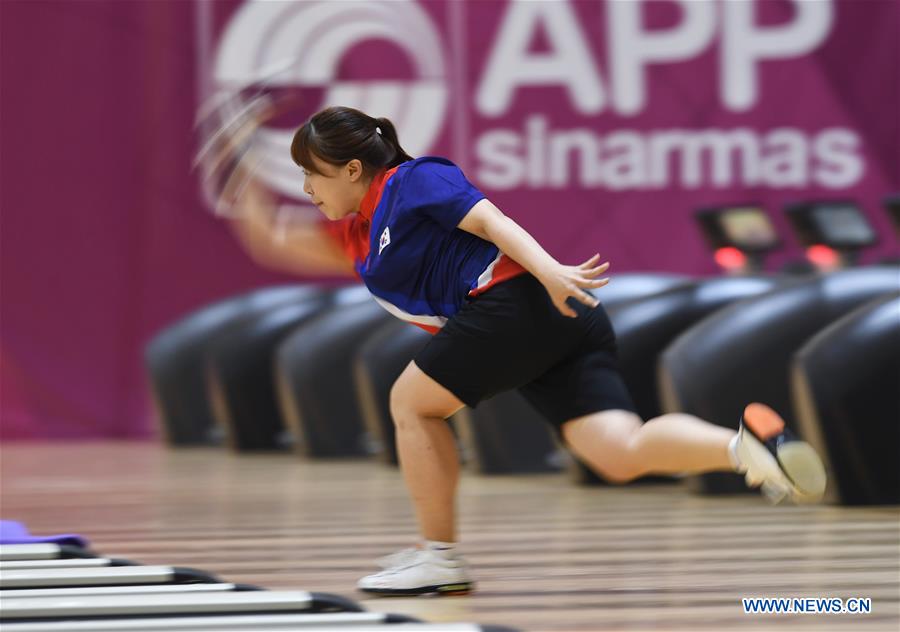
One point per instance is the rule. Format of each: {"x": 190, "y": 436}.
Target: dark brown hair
{"x": 337, "y": 135}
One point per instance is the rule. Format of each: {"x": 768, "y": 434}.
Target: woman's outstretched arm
{"x": 488, "y": 222}
{"x": 304, "y": 249}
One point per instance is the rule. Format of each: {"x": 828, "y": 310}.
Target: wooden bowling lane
{"x": 547, "y": 555}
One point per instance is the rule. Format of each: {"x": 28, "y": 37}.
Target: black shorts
{"x": 513, "y": 337}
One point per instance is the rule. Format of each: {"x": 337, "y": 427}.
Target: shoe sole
{"x": 804, "y": 468}
{"x": 447, "y": 590}
{"x": 801, "y": 469}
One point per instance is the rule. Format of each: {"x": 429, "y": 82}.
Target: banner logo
{"x": 302, "y": 44}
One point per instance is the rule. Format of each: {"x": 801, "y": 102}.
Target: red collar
{"x": 373, "y": 195}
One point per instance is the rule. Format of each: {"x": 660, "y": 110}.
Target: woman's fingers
{"x": 575, "y": 283}
{"x": 578, "y": 295}
{"x": 598, "y": 270}
{"x": 586, "y": 298}
{"x": 591, "y": 283}
{"x": 590, "y": 262}
{"x": 565, "y": 310}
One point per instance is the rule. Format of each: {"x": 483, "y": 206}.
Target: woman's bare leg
{"x": 427, "y": 450}
{"x": 619, "y": 447}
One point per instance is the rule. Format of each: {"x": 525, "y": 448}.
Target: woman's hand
{"x": 228, "y": 158}
{"x": 563, "y": 281}
{"x": 229, "y": 165}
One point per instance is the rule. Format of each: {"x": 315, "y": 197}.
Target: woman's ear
{"x": 354, "y": 170}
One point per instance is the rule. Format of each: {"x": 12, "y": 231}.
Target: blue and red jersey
{"x": 407, "y": 249}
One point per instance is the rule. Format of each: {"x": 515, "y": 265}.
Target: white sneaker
{"x": 419, "y": 572}
{"x": 772, "y": 458}
{"x": 400, "y": 558}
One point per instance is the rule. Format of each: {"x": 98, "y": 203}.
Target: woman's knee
{"x": 605, "y": 442}
{"x": 623, "y": 469}
{"x": 622, "y": 472}
{"x": 416, "y": 397}
{"x": 403, "y": 405}
{"x": 620, "y": 467}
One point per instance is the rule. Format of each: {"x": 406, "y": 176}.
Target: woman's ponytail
{"x": 385, "y": 128}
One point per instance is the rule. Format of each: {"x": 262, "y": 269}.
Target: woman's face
{"x": 336, "y": 191}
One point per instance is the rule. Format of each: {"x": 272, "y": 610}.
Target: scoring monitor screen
{"x": 841, "y": 225}
{"x": 746, "y": 228}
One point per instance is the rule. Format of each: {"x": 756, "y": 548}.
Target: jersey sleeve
{"x": 440, "y": 191}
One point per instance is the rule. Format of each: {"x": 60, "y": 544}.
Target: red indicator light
{"x": 823, "y": 256}
{"x": 730, "y": 258}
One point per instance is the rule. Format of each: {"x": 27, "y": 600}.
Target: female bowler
{"x": 434, "y": 251}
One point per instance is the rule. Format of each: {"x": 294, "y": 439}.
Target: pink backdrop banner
{"x": 598, "y": 126}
